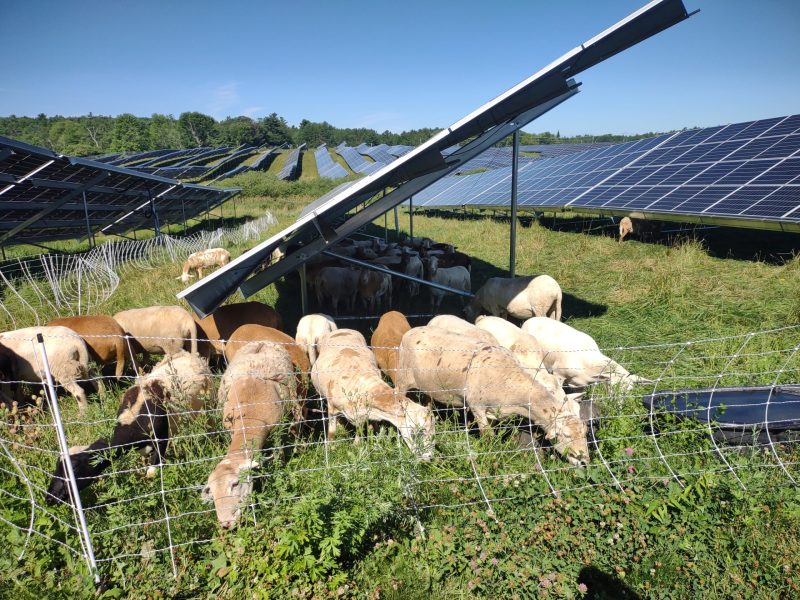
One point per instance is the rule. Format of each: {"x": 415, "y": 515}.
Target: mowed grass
{"x": 368, "y": 520}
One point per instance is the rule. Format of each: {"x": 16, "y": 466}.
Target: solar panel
{"x": 550, "y": 150}
{"x": 326, "y": 166}
{"x": 354, "y": 159}
{"x": 745, "y": 173}
{"x": 291, "y": 168}
{"x": 400, "y": 150}
{"x": 45, "y": 196}
{"x": 379, "y": 154}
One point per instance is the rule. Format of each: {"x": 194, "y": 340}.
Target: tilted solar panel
{"x": 326, "y": 166}
{"x": 356, "y": 161}
{"x": 291, "y": 168}
{"x": 379, "y": 154}
{"x": 45, "y": 196}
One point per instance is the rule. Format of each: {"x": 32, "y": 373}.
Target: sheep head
{"x": 226, "y": 489}
{"x": 568, "y": 436}
{"x": 418, "y": 429}
{"x": 87, "y": 463}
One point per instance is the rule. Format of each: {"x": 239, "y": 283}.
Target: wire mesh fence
{"x": 252, "y": 432}
{"x": 36, "y": 289}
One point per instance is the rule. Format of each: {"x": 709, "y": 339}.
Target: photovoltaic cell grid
{"x": 42, "y": 196}
{"x": 748, "y": 171}
{"x": 380, "y": 154}
{"x": 291, "y": 168}
{"x": 550, "y": 150}
{"x": 356, "y": 161}
{"x": 400, "y": 150}
{"x": 326, "y": 166}
{"x": 493, "y": 158}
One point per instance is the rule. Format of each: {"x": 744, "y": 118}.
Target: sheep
{"x": 142, "y": 424}
{"x": 410, "y": 264}
{"x": 385, "y": 341}
{"x": 337, "y": 283}
{"x": 158, "y": 329}
{"x": 8, "y": 375}
{"x": 449, "y": 257}
{"x": 464, "y": 372}
{"x": 575, "y": 356}
{"x": 374, "y": 289}
{"x": 454, "y": 277}
{"x": 203, "y": 259}
{"x": 309, "y": 330}
{"x": 104, "y": 338}
{"x": 217, "y": 327}
{"x": 253, "y": 392}
{"x": 347, "y": 375}
{"x": 67, "y": 355}
{"x": 461, "y": 327}
{"x": 258, "y": 333}
{"x": 520, "y": 297}
{"x": 641, "y": 228}
{"x": 528, "y": 352}
{"x": 187, "y": 378}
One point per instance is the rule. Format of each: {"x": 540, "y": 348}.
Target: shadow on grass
{"x": 602, "y": 585}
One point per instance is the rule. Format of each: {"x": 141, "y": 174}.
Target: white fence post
{"x": 83, "y": 530}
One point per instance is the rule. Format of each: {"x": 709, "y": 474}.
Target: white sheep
{"x": 520, "y": 297}
{"x": 204, "y": 259}
{"x": 454, "y": 277}
{"x": 310, "y": 330}
{"x": 347, "y": 375}
{"x": 458, "y": 325}
{"x": 188, "y": 379}
{"x": 67, "y": 355}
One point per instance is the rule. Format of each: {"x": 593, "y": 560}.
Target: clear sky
{"x": 394, "y": 64}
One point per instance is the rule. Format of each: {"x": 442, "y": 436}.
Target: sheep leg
{"x": 77, "y": 391}
{"x": 482, "y": 420}
{"x": 331, "y": 426}
{"x": 156, "y": 457}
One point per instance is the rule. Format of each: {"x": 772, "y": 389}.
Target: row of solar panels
{"x": 46, "y": 196}
{"x": 745, "y": 173}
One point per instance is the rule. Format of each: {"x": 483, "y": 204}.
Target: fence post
{"x": 83, "y": 530}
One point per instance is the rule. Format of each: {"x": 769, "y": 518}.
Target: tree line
{"x": 96, "y": 135}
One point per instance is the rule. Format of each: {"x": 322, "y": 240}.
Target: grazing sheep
{"x": 217, "y": 327}
{"x": 410, "y": 264}
{"x": 258, "y": 333}
{"x": 309, "y": 331}
{"x": 520, "y": 297}
{"x": 335, "y": 284}
{"x": 203, "y": 259}
{"x": 347, "y": 375}
{"x": 461, "y": 371}
{"x": 385, "y": 341}
{"x": 67, "y": 356}
{"x": 462, "y": 327}
{"x": 641, "y": 228}
{"x": 103, "y": 337}
{"x": 158, "y": 329}
{"x": 375, "y": 289}
{"x": 254, "y": 391}
{"x": 189, "y": 381}
{"x": 142, "y": 425}
{"x": 454, "y": 277}
{"x": 575, "y": 356}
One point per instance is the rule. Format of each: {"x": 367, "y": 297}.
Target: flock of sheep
{"x": 491, "y": 367}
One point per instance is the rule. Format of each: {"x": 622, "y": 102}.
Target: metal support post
{"x": 411, "y": 217}
{"x": 89, "y": 232}
{"x": 183, "y": 211}
{"x": 512, "y": 255}
{"x": 83, "y": 530}
{"x": 385, "y": 228}
{"x": 396, "y": 225}
{"x": 303, "y": 290}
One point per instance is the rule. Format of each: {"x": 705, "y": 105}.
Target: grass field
{"x": 368, "y": 520}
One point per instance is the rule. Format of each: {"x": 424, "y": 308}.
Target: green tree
{"x": 130, "y": 134}
{"x": 274, "y": 130}
{"x": 196, "y": 129}
{"x": 163, "y": 132}
{"x": 235, "y": 131}
{"x": 68, "y": 137}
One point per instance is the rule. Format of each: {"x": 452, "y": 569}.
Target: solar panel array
{"x": 326, "y": 166}
{"x": 380, "y": 154}
{"x": 493, "y": 158}
{"x": 744, "y": 172}
{"x": 291, "y": 168}
{"x": 550, "y": 150}
{"x": 46, "y": 196}
{"x": 400, "y": 150}
{"x": 356, "y": 161}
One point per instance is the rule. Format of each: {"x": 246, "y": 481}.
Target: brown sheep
{"x": 103, "y": 336}
{"x": 386, "y": 341}
{"x": 219, "y": 326}
{"x": 158, "y": 329}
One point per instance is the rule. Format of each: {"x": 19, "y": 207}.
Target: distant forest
{"x": 92, "y": 135}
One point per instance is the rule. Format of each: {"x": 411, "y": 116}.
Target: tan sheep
{"x": 254, "y": 392}
{"x": 159, "y": 329}
{"x": 347, "y": 375}
{"x": 204, "y": 259}
{"x": 67, "y": 355}
{"x": 219, "y": 326}
{"x": 520, "y": 297}
{"x": 464, "y": 372}
{"x": 309, "y": 331}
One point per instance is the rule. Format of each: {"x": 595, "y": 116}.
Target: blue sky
{"x": 394, "y": 65}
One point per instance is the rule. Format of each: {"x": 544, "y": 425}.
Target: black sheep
{"x": 142, "y": 424}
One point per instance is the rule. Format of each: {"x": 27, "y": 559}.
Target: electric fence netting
{"x": 250, "y": 434}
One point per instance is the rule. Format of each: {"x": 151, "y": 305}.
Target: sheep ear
{"x": 248, "y": 464}
{"x": 574, "y": 396}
